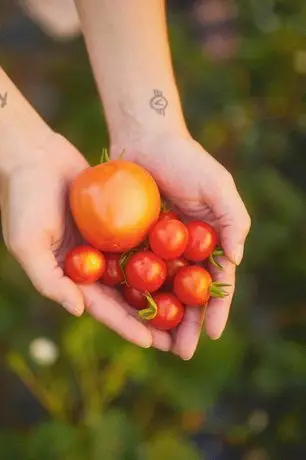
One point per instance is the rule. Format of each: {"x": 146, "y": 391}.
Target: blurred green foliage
{"x": 104, "y": 398}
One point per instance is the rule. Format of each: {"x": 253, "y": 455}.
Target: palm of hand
{"x": 39, "y": 231}
{"x": 201, "y": 189}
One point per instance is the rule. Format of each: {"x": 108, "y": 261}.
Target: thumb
{"x": 233, "y": 219}
{"x": 48, "y": 278}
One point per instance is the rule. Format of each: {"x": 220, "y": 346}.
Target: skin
{"x": 130, "y": 57}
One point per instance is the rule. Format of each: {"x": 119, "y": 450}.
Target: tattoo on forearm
{"x": 3, "y": 100}
{"x": 158, "y": 102}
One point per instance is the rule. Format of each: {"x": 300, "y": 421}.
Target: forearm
{"x": 20, "y": 127}
{"x": 128, "y": 47}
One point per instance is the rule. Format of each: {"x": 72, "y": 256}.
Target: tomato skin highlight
{"x": 145, "y": 271}
{"x": 113, "y": 274}
{"x": 134, "y": 297}
{"x": 168, "y": 238}
{"x": 202, "y": 240}
{"x": 174, "y": 266}
{"x": 192, "y": 285}
{"x": 170, "y": 311}
{"x": 114, "y": 205}
{"x": 84, "y": 264}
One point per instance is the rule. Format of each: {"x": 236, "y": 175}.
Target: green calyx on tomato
{"x": 105, "y": 155}
{"x": 216, "y": 290}
{"x": 123, "y": 261}
{"x": 165, "y": 206}
{"x": 151, "y": 311}
{"x": 218, "y": 252}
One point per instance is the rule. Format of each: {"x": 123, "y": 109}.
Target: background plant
{"x": 242, "y": 397}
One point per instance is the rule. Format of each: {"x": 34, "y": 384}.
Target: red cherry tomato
{"x": 173, "y": 266}
{"x": 145, "y": 271}
{"x": 202, "y": 240}
{"x": 168, "y": 215}
{"x": 84, "y": 264}
{"x": 168, "y": 238}
{"x": 134, "y": 297}
{"x": 192, "y": 285}
{"x": 113, "y": 274}
{"x": 170, "y": 311}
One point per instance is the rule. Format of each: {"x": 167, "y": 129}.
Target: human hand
{"x": 202, "y": 189}
{"x": 38, "y": 230}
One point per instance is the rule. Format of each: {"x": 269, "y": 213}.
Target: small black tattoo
{"x": 3, "y": 100}
{"x": 158, "y": 102}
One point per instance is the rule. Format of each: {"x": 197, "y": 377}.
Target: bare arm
{"x": 19, "y": 126}
{"x": 129, "y": 52}
{"x": 128, "y": 47}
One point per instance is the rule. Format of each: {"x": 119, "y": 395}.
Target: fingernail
{"x": 146, "y": 344}
{"x": 238, "y": 254}
{"x": 76, "y": 310}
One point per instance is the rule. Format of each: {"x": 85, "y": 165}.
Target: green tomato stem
{"x": 104, "y": 156}
{"x": 216, "y": 290}
{"x": 218, "y": 252}
{"x": 151, "y": 311}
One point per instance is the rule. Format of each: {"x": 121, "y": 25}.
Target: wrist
{"x": 22, "y": 130}
{"x": 146, "y": 142}
{"x": 135, "y": 128}
{"x": 23, "y": 148}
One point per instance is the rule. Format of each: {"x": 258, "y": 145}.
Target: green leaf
{"x": 112, "y": 437}
{"x": 55, "y": 441}
{"x": 171, "y": 447}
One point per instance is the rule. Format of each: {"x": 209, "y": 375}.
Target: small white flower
{"x": 43, "y": 351}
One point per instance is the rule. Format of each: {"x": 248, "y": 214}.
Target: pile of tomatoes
{"x": 149, "y": 254}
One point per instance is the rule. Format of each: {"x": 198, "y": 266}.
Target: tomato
{"x": 134, "y": 297}
{"x": 173, "y": 266}
{"x": 168, "y": 238}
{"x": 168, "y": 215}
{"x": 113, "y": 274}
{"x": 202, "y": 240}
{"x": 84, "y": 264}
{"x": 168, "y": 311}
{"x": 145, "y": 271}
{"x": 192, "y": 285}
{"x": 114, "y": 205}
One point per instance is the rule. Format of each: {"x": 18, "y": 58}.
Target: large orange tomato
{"x": 114, "y": 205}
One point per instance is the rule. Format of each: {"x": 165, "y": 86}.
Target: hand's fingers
{"x": 47, "y": 277}
{"x": 161, "y": 340}
{"x": 218, "y": 309}
{"x": 188, "y": 333}
{"x": 105, "y": 306}
{"x": 232, "y": 216}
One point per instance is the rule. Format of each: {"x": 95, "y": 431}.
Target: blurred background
{"x": 72, "y": 390}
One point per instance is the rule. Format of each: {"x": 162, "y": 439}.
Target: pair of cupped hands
{"x": 38, "y": 228}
